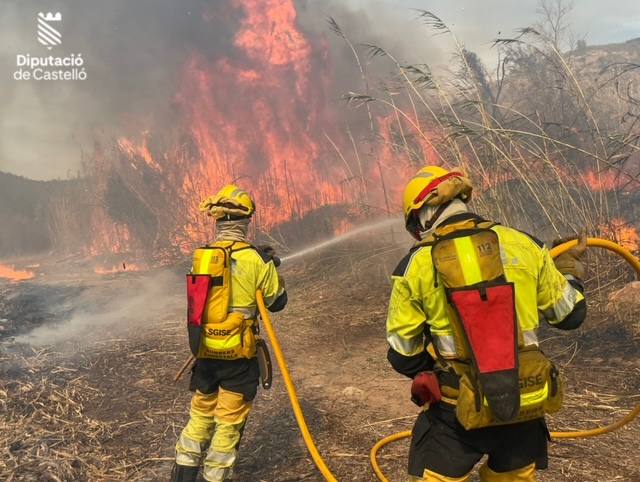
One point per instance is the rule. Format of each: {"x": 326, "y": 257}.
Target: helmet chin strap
{"x": 419, "y": 225}
{"x": 434, "y": 217}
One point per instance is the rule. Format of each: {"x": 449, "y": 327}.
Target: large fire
{"x": 262, "y": 116}
{"x": 258, "y": 118}
{"x": 13, "y": 274}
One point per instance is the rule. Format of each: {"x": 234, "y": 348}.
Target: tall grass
{"x": 551, "y": 147}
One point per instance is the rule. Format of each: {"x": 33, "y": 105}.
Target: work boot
{"x": 182, "y": 473}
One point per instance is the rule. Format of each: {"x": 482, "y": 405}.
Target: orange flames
{"x": 269, "y": 33}
{"x": 14, "y": 275}
{"x": 612, "y": 180}
{"x": 141, "y": 151}
{"x": 603, "y": 181}
{"x": 622, "y": 233}
{"x": 257, "y": 118}
{"x": 254, "y": 118}
{"x": 113, "y": 238}
{"x": 262, "y": 117}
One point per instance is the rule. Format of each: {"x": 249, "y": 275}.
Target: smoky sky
{"x": 134, "y": 51}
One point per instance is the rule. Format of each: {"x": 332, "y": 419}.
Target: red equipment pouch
{"x": 487, "y": 313}
{"x": 425, "y": 389}
{"x": 198, "y": 286}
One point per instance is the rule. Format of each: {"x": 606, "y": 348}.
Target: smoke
{"x": 135, "y": 55}
{"x": 111, "y": 309}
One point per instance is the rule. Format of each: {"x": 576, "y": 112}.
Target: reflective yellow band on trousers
{"x": 429, "y": 476}
{"x": 524, "y": 474}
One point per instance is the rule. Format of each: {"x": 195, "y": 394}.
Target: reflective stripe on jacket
{"x": 418, "y": 302}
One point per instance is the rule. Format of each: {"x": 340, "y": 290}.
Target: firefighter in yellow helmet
{"x": 221, "y": 290}
{"x": 462, "y": 320}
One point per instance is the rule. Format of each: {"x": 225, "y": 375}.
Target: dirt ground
{"x": 108, "y": 410}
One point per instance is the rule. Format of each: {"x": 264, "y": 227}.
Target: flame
{"x": 613, "y": 180}
{"x": 622, "y": 233}
{"x": 256, "y": 118}
{"x": 269, "y": 33}
{"x": 114, "y": 237}
{"x": 603, "y": 181}
{"x": 139, "y": 152}
{"x": 14, "y": 275}
{"x": 261, "y": 136}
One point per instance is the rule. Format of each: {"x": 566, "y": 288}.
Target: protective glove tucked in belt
{"x": 569, "y": 263}
{"x": 425, "y": 389}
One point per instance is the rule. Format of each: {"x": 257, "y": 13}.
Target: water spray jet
{"x": 373, "y": 226}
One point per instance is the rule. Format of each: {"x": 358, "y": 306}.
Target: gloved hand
{"x": 425, "y": 389}
{"x": 569, "y": 263}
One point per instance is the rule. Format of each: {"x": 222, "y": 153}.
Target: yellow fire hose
{"x": 291, "y": 391}
{"x": 591, "y": 242}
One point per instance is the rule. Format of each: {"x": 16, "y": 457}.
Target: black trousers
{"x": 439, "y": 443}
{"x": 239, "y": 376}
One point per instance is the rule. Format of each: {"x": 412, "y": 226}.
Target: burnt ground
{"x": 107, "y": 409}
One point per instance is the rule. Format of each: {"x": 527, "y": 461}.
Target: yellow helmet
{"x": 433, "y": 186}
{"x": 231, "y": 202}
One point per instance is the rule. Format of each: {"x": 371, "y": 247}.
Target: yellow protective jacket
{"x": 418, "y": 305}
{"x": 251, "y": 270}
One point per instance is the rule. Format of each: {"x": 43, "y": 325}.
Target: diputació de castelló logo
{"x": 51, "y": 67}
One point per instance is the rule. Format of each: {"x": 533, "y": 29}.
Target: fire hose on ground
{"x": 304, "y": 429}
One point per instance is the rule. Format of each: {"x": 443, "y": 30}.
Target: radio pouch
{"x": 230, "y": 339}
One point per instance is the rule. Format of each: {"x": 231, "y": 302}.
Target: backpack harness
{"x": 214, "y": 331}
{"x": 494, "y": 378}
